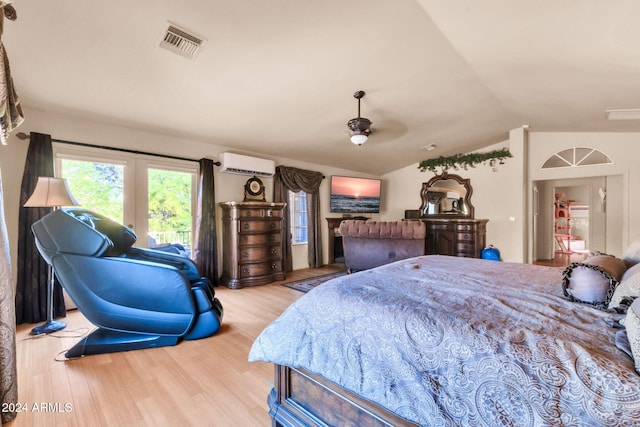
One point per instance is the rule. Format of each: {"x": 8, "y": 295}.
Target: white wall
{"x": 622, "y": 148}
{"x": 69, "y": 128}
{"x": 504, "y": 197}
{"x": 497, "y": 196}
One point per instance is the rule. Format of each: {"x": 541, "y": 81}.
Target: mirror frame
{"x": 465, "y": 182}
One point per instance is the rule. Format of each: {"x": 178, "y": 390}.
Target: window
{"x": 96, "y": 185}
{"x": 298, "y": 214}
{"x": 576, "y": 156}
{"x": 155, "y": 197}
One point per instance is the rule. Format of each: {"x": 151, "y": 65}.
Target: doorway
{"x": 576, "y": 216}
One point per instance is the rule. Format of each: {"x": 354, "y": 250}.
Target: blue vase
{"x": 491, "y": 253}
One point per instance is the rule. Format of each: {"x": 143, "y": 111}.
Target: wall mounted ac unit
{"x": 246, "y": 165}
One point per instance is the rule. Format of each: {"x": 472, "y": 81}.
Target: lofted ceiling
{"x": 277, "y": 77}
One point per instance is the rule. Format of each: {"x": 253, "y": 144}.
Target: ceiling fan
{"x": 360, "y": 127}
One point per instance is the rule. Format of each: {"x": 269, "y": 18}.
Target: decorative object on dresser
{"x": 252, "y": 237}
{"x": 254, "y": 190}
{"x": 448, "y": 213}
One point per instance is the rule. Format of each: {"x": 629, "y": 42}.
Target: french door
{"x": 154, "y": 196}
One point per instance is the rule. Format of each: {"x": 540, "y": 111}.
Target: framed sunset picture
{"x": 354, "y": 195}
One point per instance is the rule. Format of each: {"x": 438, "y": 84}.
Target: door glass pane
{"x": 169, "y": 208}
{"x": 96, "y": 186}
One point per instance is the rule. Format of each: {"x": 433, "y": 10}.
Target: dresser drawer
{"x": 247, "y": 226}
{"x": 259, "y": 269}
{"x": 260, "y": 213}
{"x": 440, "y": 227}
{"x": 259, "y": 239}
{"x": 466, "y": 237}
{"x": 467, "y": 255}
{"x": 259, "y": 253}
{"x": 464, "y": 247}
{"x": 466, "y": 227}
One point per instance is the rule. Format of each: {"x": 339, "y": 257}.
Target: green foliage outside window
{"x": 96, "y": 186}
{"x": 100, "y": 187}
{"x": 169, "y": 200}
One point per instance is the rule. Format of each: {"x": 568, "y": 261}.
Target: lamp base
{"x": 48, "y": 327}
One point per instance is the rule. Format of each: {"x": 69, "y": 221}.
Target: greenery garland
{"x": 464, "y": 161}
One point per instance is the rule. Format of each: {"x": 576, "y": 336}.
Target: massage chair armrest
{"x": 185, "y": 265}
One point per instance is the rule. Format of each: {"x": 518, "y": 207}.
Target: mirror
{"x": 446, "y": 196}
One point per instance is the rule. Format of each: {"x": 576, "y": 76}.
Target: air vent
{"x": 182, "y": 42}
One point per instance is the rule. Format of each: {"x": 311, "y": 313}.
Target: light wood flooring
{"x": 206, "y": 382}
{"x": 562, "y": 259}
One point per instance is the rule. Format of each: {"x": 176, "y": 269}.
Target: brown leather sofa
{"x": 369, "y": 244}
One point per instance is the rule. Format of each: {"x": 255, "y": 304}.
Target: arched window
{"x": 577, "y": 156}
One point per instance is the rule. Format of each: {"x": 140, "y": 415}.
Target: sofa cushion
{"x": 383, "y": 229}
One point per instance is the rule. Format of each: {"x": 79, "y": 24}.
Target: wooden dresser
{"x": 464, "y": 237}
{"x": 252, "y": 243}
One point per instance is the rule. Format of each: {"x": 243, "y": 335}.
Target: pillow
{"x": 631, "y": 255}
{"x": 622, "y": 342}
{"x": 632, "y": 323}
{"x": 627, "y": 290}
{"x": 594, "y": 280}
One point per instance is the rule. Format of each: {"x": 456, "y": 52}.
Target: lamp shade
{"x": 359, "y": 138}
{"x": 50, "y": 192}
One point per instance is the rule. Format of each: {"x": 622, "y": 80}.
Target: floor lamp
{"x": 50, "y": 192}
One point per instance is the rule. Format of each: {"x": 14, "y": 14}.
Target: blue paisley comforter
{"x": 445, "y": 341}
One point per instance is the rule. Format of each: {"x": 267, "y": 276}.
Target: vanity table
{"x": 447, "y": 212}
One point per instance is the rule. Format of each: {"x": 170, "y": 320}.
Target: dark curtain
{"x": 206, "y": 246}
{"x": 31, "y": 289}
{"x": 294, "y": 179}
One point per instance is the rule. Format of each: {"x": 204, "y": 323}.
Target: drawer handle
{"x": 274, "y": 266}
{"x": 245, "y": 226}
{"x": 245, "y": 270}
{"x": 273, "y": 251}
{"x": 273, "y": 225}
{"x": 245, "y": 254}
{"x": 248, "y": 213}
{"x": 272, "y": 238}
{"x": 466, "y": 237}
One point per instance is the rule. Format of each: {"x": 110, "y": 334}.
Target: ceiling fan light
{"x": 360, "y": 127}
{"x": 358, "y": 138}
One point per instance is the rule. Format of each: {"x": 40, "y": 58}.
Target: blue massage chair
{"x": 138, "y": 298}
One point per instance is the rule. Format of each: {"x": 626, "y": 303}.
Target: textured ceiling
{"x": 277, "y": 77}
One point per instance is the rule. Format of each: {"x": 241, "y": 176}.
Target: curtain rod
{"x": 23, "y": 136}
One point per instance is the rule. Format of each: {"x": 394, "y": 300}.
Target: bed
{"x": 444, "y": 341}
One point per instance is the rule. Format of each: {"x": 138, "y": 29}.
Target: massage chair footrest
{"x": 106, "y": 341}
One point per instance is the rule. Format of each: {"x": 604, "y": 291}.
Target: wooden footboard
{"x": 300, "y": 398}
